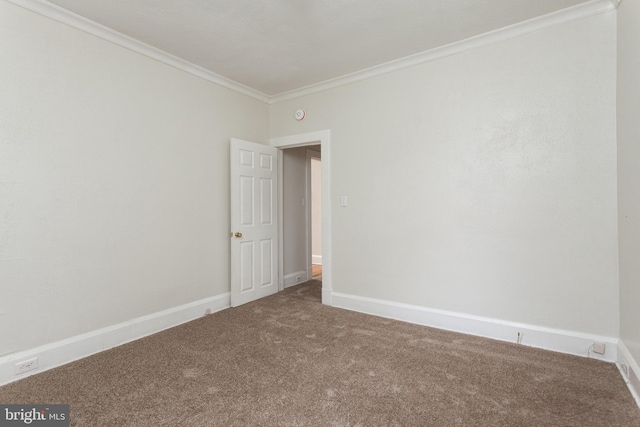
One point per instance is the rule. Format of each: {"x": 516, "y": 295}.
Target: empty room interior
{"x": 447, "y": 188}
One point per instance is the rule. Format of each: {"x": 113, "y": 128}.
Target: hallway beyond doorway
{"x": 316, "y": 272}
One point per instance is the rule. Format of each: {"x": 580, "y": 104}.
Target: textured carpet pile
{"x": 287, "y": 360}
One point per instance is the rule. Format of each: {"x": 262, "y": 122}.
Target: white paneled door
{"x": 254, "y": 221}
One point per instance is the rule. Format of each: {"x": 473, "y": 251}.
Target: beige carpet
{"x": 288, "y": 360}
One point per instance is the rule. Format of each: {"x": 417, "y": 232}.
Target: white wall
{"x": 294, "y": 214}
{"x": 114, "y": 182}
{"x": 482, "y": 183}
{"x": 628, "y": 110}
{"x": 316, "y": 210}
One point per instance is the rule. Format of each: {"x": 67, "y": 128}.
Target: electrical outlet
{"x": 26, "y": 365}
{"x": 625, "y": 370}
{"x": 598, "y": 347}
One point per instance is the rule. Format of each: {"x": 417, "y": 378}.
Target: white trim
{"x": 563, "y": 16}
{"x": 307, "y": 214}
{"x": 323, "y": 138}
{"x": 291, "y": 279}
{"x": 563, "y": 341}
{"x": 316, "y": 259}
{"x": 81, "y": 23}
{"x": 74, "y": 348}
{"x": 280, "y": 220}
{"x": 64, "y": 16}
{"x": 629, "y": 370}
{"x": 327, "y": 294}
{"x": 311, "y": 259}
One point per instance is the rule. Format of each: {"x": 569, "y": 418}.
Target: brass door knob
{"x": 238, "y": 234}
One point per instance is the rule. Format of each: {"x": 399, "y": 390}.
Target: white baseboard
{"x": 295, "y": 278}
{"x": 74, "y": 348}
{"x": 316, "y": 259}
{"x": 559, "y": 340}
{"x": 630, "y": 370}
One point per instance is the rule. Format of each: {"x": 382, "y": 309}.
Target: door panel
{"x": 246, "y": 266}
{"x": 266, "y": 256}
{"x": 266, "y": 205}
{"x": 253, "y": 226}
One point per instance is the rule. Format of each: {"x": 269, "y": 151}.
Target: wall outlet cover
{"x": 598, "y": 347}
{"x": 26, "y": 365}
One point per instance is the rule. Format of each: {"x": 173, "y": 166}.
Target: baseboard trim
{"x": 563, "y": 341}
{"x": 629, "y": 370}
{"x": 295, "y": 278}
{"x": 316, "y": 259}
{"x": 74, "y": 348}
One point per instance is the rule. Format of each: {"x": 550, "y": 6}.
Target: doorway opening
{"x": 302, "y": 214}
{"x": 321, "y": 142}
{"x": 314, "y": 166}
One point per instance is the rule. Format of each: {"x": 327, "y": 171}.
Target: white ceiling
{"x": 275, "y": 46}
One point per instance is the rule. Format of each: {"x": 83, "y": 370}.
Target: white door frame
{"x": 310, "y": 154}
{"x": 323, "y": 138}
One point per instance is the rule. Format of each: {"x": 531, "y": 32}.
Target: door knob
{"x": 238, "y": 234}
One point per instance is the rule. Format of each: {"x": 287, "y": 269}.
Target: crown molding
{"x": 49, "y": 10}
{"x": 583, "y": 10}
{"x": 81, "y": 23}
